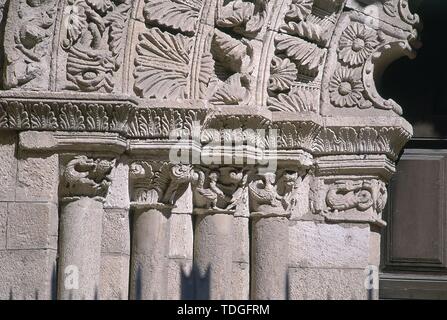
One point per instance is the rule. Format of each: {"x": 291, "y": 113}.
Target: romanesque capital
{"x": 158, "y": 184}
{"x": 86, "y": 177}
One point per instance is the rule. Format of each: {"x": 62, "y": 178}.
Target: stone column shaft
{"x": 80, "y": 249}
{"x": 149, "y": 261}
{"x": 270, "y": 237}
{"x": 213, "y": 256}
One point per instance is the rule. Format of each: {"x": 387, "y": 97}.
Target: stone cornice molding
{"x": 319, "y": 135}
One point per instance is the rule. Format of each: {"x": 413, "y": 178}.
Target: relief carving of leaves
{"x": 176, "y": 14}
{"x": 299, "y": 9}
{"x": 42, "y": 117}
{"x": 282, "y": 74}
{"x": 120, "y": 118}
{"x": 118, "y": 31}
{"x": 162, "y": 65}
{"x": 305, "y": 29}
{"x": 232, "y": 53}
{"x": 97, "y": 119}
{"x": 245, "y": 17}
{"x": 298, "y": 100}
{"x": 18, "y": 116}
{"x": 71, "y": 118}
{"x": 308, "y": 55}
{"x": 3, "y": 117}
{"x": 75, "y": 22}
{"x": 232, "y": 92}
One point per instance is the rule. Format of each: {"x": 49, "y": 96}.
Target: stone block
{"x": 37, "y": 178}
{"x": 327, "y": 284}
{"x": 241, "y": 240}
{"x": 28, "y": 274}
{"x": 114, "y": 280}
{"x": 32, "y": 226}
{"x": 328, "y": 245}
{"x": 116, "y": 233}
{"x": 118, "y": 195}
{"x": 181, "y": 236}
{"x": 8, "y": 167}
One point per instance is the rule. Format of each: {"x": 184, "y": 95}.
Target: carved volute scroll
{"x": 86, "y": 177}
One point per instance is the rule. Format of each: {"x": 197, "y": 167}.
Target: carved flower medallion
{"x": 356, "y": 44}
{"x": 345, "y": 89}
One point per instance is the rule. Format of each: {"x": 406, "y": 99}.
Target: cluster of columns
{"x": 221, "y": 243}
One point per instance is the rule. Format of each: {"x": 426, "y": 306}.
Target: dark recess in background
{"x": 420, "y": 85}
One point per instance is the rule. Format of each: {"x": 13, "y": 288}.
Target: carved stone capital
{"x": 158, "y": 184}
{"x": 274, "y": 193}
{"x": 221, "y": 190}
{"x": 86, "y": 177}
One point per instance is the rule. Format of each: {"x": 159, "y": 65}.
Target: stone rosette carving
{"x": 86, "y": 177}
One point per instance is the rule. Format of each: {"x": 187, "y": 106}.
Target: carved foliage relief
{"x": 301, "y": 46}
{"x": 362, "y": 43}
{"x": 198, "y": 50}
{"x": 94, "y": 35}
{"x": 28, "y": 44}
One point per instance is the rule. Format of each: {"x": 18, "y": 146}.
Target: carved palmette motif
{"x": 190, "y": 50}
{"x": 94, "y": 36}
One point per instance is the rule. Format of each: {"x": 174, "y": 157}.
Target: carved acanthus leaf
{"x": 299, "y": 9}
{"x": 162, "y": 65}
{"x": 231, "y": 92}
{"x": 298, "y": 100}
{"x": 179, "y": 15}
{"x": 244, "y": 17}
{"x": 308, "y": 55}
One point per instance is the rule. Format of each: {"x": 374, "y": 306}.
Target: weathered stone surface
{"x": 118, "y": 196}
{"x": 80, "y": 250}
{"x": 88, "y": 88}
{"x": 240, "y": 281}
{"x": 180, "y": 279}
{"x": 149, "y": 262}
{"x": 327, "y": 284}
{"x": 269, "y": 258}
{"x": 8, "y": 167}
{"x": 181, "y": 232}
{"x": 28, "y": 274}
{"x": 213, "y": 239}
{"x": 32, "y": 226}
{"x": 116, "y": 232}
{"x": 320, "y": 245}
{"x": 37, "y": 178}
{"x": 114, "y": 280}
{"x": 3, "y": 224}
